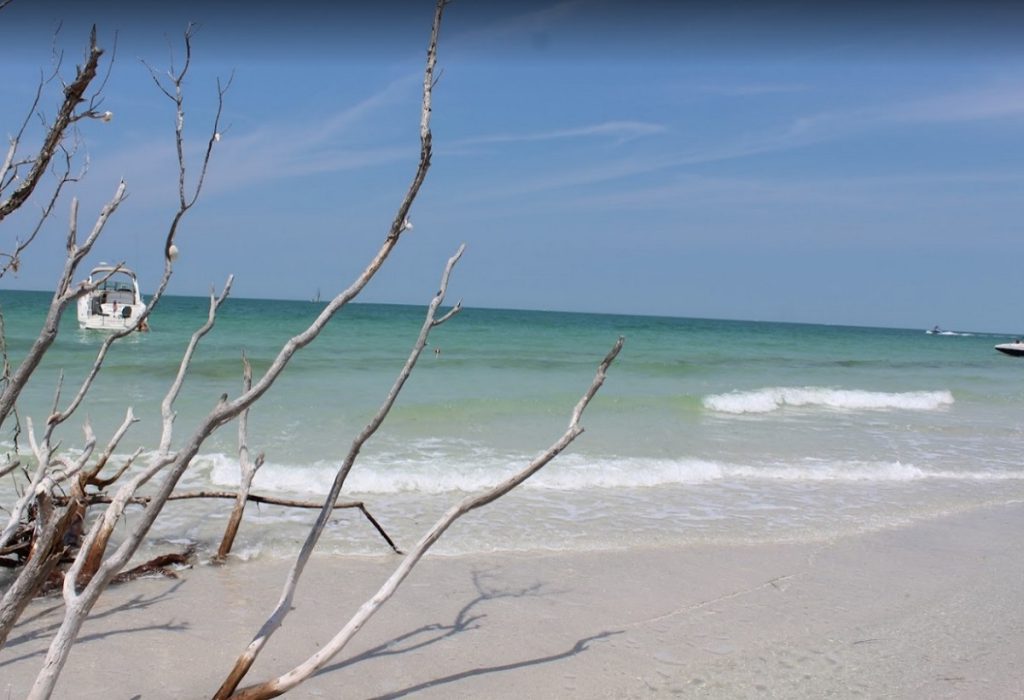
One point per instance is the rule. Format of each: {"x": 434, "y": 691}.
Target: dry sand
{"x": 931, "y": 610}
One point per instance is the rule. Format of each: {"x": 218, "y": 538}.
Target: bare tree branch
{"x": 62, "y": 297}
{"x": 9, "y": 467}
{"x": 170, "y": 250}
{"x": 287, "y": 681}
{"x": 79, "y": 603}
{"x": 42, "y": 484}
{"x": 167, "y": 405}
{"x": 73, "y": 96}
{"x": 273, "y": 622}
{"x": 14, "y": 258}
{"x": 247, "y": 466}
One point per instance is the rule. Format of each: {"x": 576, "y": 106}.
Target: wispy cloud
{"x": 963, "y": 106}
{"x": 623, "y": 130}
{"x": 967, "y": 106}
{"x": 292, "y": 145}
{"x": 982, "y": 104}
{"x": 283, "y": 146}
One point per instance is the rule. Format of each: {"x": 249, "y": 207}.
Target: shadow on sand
{"x": 465, "y": 620}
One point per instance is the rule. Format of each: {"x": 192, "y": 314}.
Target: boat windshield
{"x": 115, "y": 285}
{"x": 119, "y": 281}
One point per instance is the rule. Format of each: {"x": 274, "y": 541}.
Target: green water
{"x": 706, "y": 429}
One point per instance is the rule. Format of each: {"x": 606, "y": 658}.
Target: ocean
{"x": 706, "y": 431}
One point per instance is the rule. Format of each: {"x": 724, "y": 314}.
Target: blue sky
{"x": 860, "y": 164}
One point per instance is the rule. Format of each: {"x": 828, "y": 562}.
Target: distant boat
{"x": 1016, "y": 348}
{"x": 935, "y": 330}
{"x": 114, "y": 304}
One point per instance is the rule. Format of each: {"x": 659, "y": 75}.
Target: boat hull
{"x": 1012, "y": 349}
{"x": 111, "y": 321}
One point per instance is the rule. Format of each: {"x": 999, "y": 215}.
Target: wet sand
{"x": 930, "y": 610}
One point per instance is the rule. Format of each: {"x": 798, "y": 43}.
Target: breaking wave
{"x": 774, "y": 398}
{"x": 576, "y": 473}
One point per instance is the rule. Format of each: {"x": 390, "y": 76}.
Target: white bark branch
{"x": 61, "y": 299}
{"x": 21, "y": 506}
{"x": 273, "y": 622}
{"x": 82, "y": 602}
{"x": 247, "y": 467}
{"x": 122, "y": 430}
{"x": 297, "y": 675}
{"x": 167, "y": 406}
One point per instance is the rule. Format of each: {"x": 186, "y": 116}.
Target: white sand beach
{"x": 931, "y": 610}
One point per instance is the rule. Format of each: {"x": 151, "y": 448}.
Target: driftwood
{"x": 283, "y": 683}
{"x": 284, "y": 604}
{"x": 67, "y": 292}
{"x": 247, "y": 466}
{"x": 267, "y": 500}
{"x": 53, "y": 523}
{"x": 161, "y": 566}
{"x": 45, "y": 529}
{"x": 171, "y": 466}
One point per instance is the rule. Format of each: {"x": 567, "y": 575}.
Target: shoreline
{"x": 928, "y": 610}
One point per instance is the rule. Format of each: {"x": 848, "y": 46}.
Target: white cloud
{"x": 286, "y": 145}
{"x": 961, "y": 106}
{"x": 624, "y": 130}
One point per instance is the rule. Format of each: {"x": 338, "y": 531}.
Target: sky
{"x": 838, "y": 163}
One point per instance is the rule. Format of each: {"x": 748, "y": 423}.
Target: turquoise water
{"x": 705, "y": 431}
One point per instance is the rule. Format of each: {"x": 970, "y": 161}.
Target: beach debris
{"x": 164, "y": 565}
{"x": 51, "y": 536}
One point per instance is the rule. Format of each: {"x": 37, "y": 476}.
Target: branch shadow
{"x": 580, "y": 646}
{"x": 166, "y": 627}
{"x": 138, "y": 602}
{"x": 465, "y": 620}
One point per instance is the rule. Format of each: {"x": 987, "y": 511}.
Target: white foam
{"x": 432, "y": 476}
{"x": 881, "y": 472}
{"x": 774, "y": 398}
{"x": 573, "y": 472}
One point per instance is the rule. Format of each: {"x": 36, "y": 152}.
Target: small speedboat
{"x": 1016, "y": 348}
{"x": 115, "y": 304}
{"x": 938, "y": 331}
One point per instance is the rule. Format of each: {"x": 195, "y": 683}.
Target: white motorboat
{"x": 115, "y": 304}
{"x": 1016, "y": 348}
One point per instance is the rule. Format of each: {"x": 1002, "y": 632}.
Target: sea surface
{"x": 706, "y": 430}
